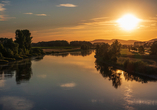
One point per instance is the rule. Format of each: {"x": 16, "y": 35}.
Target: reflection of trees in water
{"x": 108, "y": 72}
{"x": 77, "y": 53}
{"x": 116, "y": 75}
{"x": 23, "y": 72}
{"x": 82, "y": 53}
{"x": 38, "y": 58}
{"x": 22, "y": 69}
{"x": 64, "y": 54}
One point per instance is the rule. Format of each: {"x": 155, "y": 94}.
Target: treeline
{"x": 18, "y": 49}
{"x": 62, "y": 43}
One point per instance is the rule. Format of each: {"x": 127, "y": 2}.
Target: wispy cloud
{"x": 66, "y": 5}
{"x": 68, "y": 85}
{"x": 40, "y": 14}
{"x": 2, "y": 7}
{"x": 6, "y": 2}
{"x": 28, "y": 13}
{"x": 4, "y": 17}
{"x": 16, "y": 103}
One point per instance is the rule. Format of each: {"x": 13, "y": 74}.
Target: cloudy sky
{"x": 77, "y": 19}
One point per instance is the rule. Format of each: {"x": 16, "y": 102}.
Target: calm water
{"x": 74, "y": 81}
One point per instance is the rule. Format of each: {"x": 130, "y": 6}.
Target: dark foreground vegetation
{"x": 110, "y": 53}
{"x": 20, "y": 48}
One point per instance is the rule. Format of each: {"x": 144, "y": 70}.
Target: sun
{"x": 128, "y": 22}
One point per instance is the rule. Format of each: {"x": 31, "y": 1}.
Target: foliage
{"x": 153, "y": 48}
{"x": 141, "y": 49}
{"x": 24, "y": 39}
{"x": 51, "y": 43}
{"x": 139, "y": 66}
{"x": 37, "y": 51}
{"x": 85, "y": 47}
{"x": 108, "y": 52}
{"x": 80, "y": 43}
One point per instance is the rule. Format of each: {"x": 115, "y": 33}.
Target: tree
{"x": 115, "y": 48}
{"x": 153, "y": 48}
{"x": 114, "y": 51}
{"x": 24, "y": 40}
{"x": 102, "y": 50}
{"x": 141, "y": 49}
{"x": 9, "y": 43}
{"x": 85, "y": 47}
{"x": 108, "y": 52}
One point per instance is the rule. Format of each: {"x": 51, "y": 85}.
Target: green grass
{"x": 126, "y": 52}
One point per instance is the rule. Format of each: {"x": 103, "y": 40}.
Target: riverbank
{"x": 133, "y": 68}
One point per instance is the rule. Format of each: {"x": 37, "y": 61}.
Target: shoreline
{"x": 130, "y": 72}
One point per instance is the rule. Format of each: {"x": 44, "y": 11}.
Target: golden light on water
{"x": 128, "y": 22}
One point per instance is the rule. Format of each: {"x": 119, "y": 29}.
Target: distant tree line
{"x": 63, "y": 43}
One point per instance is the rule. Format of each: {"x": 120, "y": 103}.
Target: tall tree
{"x": 24, "y": 39}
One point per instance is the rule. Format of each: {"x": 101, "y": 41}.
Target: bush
{"x": 138, "y": 66}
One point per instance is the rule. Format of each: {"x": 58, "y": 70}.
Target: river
{"x": 73, "y": 81}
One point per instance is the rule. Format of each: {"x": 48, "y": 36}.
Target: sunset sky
{"x": 77, "y": 19}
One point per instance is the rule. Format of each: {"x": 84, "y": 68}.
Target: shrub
{"x": 138, "y": 66}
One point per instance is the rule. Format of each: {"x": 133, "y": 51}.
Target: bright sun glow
{"x": 128, "y": 22}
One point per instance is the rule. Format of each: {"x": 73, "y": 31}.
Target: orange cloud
{"x": 66, "y": 5}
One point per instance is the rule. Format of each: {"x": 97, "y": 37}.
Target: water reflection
{"x": 39, "y": 58}
{"x": 64, "y": 54}
{"x": 21, "y": 69}
{"x": 82, "y": 53}
{"x": 15, "y": 103}
{"x": 77, "y": 53}
{"x": 116, "y": 75}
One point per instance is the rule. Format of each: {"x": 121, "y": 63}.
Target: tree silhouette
{"x": 24, "y": 39}
{"x": 153, "y": 48}
{"x": 141, "y": 49}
